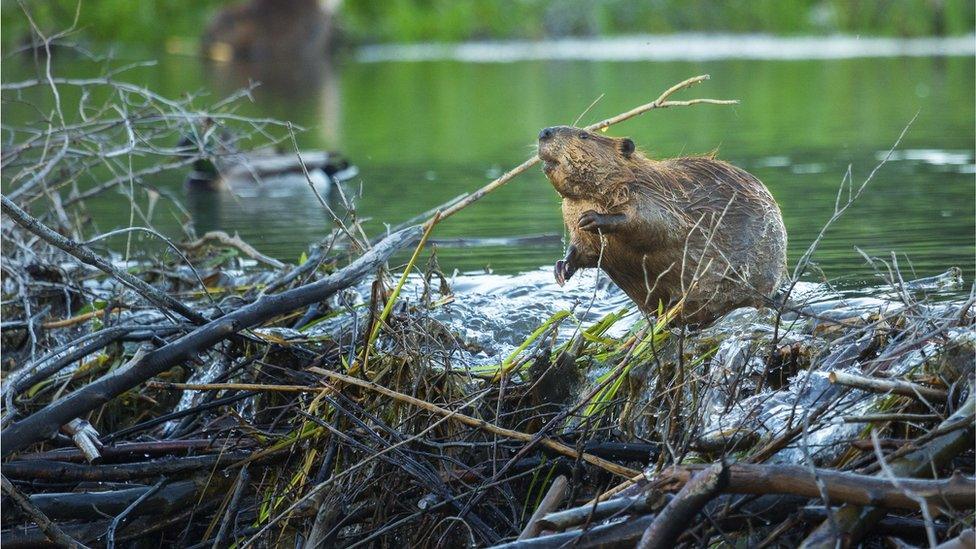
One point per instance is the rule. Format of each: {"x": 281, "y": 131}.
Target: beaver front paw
{"x": 593, "y": 222}
{"x": 563, "y": 271}
{"x": 567, "y": 266}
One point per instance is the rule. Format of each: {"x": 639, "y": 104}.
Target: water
{"x": 424, "y": 132}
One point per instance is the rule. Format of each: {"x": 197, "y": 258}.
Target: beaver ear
{"x": 626, "y": 146}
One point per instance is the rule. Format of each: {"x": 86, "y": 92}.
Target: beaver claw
{"x": 564, "y": 271}
{"x": 592, "y": 221}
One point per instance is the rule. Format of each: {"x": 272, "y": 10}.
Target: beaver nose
{"x": 546, "y": 133}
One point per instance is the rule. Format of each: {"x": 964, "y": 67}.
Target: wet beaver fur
{"x": 692, "y": 227}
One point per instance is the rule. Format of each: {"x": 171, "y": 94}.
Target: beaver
{"x": 692, "y": 227}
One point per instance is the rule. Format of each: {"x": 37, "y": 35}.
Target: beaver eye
{"x": 584, "y": 135}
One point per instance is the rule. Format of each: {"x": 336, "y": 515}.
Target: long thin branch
{"x": 481, "y": 424}
{"x": 660, "y": 103}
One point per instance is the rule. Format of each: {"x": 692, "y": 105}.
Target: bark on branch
{"x": 745, "y": 478}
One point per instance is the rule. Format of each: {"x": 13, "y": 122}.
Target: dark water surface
{"x": 422, "y": 133}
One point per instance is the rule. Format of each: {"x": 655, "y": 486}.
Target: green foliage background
{"x": 151, "y": 23}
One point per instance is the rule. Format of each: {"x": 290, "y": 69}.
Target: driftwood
{"x": 47, "y": 421}
{"x": 680, "y": 511}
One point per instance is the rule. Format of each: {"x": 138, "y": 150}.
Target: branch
{"x": 852, "y": 522}
{"x": 681, "y": 511}
{"x": 841, "y": 487}
{"x": 480, "y": 423}
{"x": 660, "y": 103}
{"x": 50, "y": 529}
{"x": 894, "y": 386}
{"x": 234, "y": 242}
{"x": 552, "y": 499}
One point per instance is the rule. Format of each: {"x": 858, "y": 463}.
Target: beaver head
{"x": 583, "y": 164}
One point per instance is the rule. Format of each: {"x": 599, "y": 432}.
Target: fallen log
{"x": 46, "y": 422}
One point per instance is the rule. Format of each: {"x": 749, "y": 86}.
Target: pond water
{"x": 424, "y": 131}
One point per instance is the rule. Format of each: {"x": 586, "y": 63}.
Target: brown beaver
{"x": 692, "y": 227}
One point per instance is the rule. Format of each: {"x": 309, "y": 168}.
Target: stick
{"x": 50, "y": 529}
{"x": 480, "y": 423}
{"x": 45, "y": 422}
{"x": 65, "y": 322}
{"x": 680, "y": 511}
{"x": 660, "y": 103}
{"x": 230, "y": 516}
{"x": 552, "y": 499}
{"x": 895, "y": 386}
{"x": 840, "y": 487}
{"x": 590, "y": 513}
{"x": 618, "y": 534}
{"x": 114, "y": 525}
{"x": 234, "y": 242}
{"x": 36, "y": 469}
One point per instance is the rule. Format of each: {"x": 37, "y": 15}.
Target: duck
{"x": 261, "y": 172}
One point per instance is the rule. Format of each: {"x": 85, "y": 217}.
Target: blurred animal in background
{"x": 271, "y": 30}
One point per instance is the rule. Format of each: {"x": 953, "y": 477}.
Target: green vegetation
{"x": 152, "y": 23}
{"x": 449, "y": 20}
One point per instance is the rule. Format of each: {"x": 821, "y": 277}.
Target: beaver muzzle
{"x": 546, "y": 150}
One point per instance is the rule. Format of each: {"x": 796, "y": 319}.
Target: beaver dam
{"x": 206, "y": 395}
